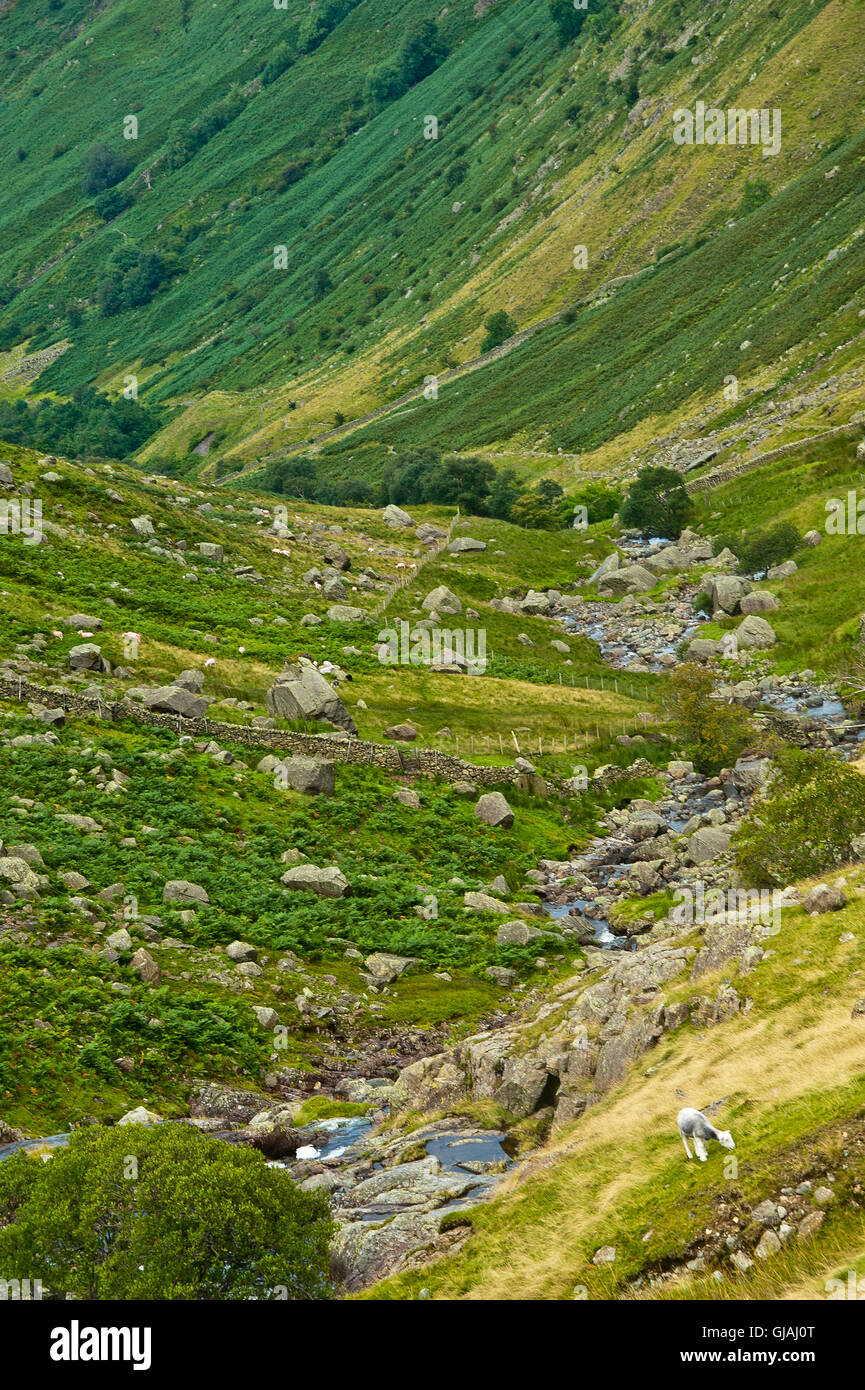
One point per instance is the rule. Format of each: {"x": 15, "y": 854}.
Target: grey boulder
{"x": 301, "y": 692}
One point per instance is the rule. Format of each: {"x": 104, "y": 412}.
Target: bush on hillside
{"x": 568, "y": 20}
{"x": 601, "y": 503}
{"x": 759, "y": 550}
{"x": 89, "y": 425}
{"x": 132, "y": 277}
{"x": 161, "y": 1213}
{"x": 807, "y": 823}
{"x": 499, "y": 327}
{"x": 657, "y": 503}
{"x": 421, "y": 52}
{"x": 715, "y": 734}
{"x": 103, "y": 168}
{"x": 541, "y": 508}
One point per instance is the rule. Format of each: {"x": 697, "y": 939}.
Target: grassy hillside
{"x": 790, "y": 1078}
{"x": 539, "y": 148}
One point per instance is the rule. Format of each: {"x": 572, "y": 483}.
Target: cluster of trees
{"x": 132, "y": 277}
{"x": 299, "y": 477}
{"x": 88, "y": 426}
{"x": 807, "y": 823}
{"x": 424, "y": 474}
{"x": 570, "y": 21}
{"x": 714, "y": 733}
{"x": 421, "y": 52}
{"x": 498, "y": 328}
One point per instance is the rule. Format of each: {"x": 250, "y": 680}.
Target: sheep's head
{"x": 726, "y": 1138}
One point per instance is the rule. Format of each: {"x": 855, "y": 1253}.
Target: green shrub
{"x": 807, "y": 823}
{"x": 499, "y": 327}
{"x": 103, "y": 168}
{"x": 758, "y": 550}
{"x": 161, "y": 1213}
{"x": 657, "y": 503}
{"x": 715, "y": 733}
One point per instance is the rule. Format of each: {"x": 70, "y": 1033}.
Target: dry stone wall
{"x": 427, "y": 762}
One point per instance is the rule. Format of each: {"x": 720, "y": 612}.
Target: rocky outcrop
{"x": 493, "y": 809}
{"x": 176, "y": 699}
{"x": 329, "y": 882}
{"x": 301, "y": 692}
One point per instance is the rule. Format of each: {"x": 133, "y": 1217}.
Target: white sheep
{"x": 694, "y": 1125}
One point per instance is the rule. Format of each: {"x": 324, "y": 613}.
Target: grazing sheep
{"x": 694, "y": 1125}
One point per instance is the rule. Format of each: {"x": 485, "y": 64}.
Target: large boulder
{"x": 750, "y": 775}
{"x": 145, "y": 967}
{"x": 606, "y": 567}
{"x": 782, "y": 571}
{"x": 428, "y": 533}
{"x": 395, "y": 517}
{"x": 823, "y": 897}
{"x": 88, "y": 657}
{"x": 402, "y": 733}
{"x": 301, "y": 692}
{"x": 517, "y": 933}
{"x": 663, "y": 561}
{"x": 180, "y": 890}
{"x": 190, "y": 680}
{"x": 754, "y": 633}
{"x": 329, "y": 882}
{"x": 140, "y": 1116}
{"x": 441, "y": 600}
{"x": 384, "y": 968}
{"x": 726, "y": 592}
{"x": 493, "y": 809}
{"x": 213, "y": 1099}
{"x": 535, "y": 602}
{"x": 18, "y": 877}
{"x": 464, "y": 543}
{"x": 706, "y": 844}
{"x": 703, "y": 648}
{"x": 313, "y": 776}
{"x": 524, "y": 1080}
{"x": 83, "y": 620}
{"x": 758, "y": 601}
{"x": 176, "y": 699}
{"x": 345, "y": 613}
{"x": 633, "y": 579}
{"x": 432, "y": 1083}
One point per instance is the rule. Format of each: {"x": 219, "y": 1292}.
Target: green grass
{"x": 817, "y": 624}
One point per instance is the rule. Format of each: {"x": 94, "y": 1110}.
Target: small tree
{"x": 503, "y": 494}
{"x": 657, "y": 503}
{"x": 103, "y": 168}
{"x": 715, "y": 733}
{"x": 568, "y": 20}
{"x": 161, "y": 1213}
{"x": 321, "y": 283}
{"x": 499, "y": 327}
{"x": 807, "y": 823}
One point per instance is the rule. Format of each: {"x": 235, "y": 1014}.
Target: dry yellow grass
{"x": 567, "y": 1198}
